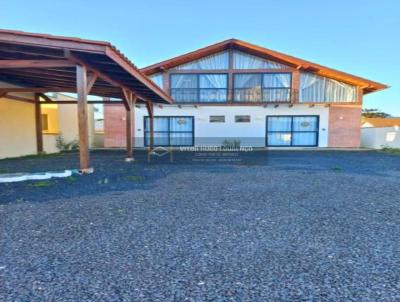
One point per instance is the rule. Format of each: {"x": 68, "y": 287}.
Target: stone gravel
{"x": 274, "y": 226}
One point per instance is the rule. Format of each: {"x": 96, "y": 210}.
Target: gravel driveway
{"x": 275, "y": 226}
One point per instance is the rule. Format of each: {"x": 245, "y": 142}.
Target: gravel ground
{"x": 275, "y": 226}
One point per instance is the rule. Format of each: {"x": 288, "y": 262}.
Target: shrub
{"x": 63, "y": 145}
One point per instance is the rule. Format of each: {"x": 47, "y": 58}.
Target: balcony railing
{"x": 241, "y": 95}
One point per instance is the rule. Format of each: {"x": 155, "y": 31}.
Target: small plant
{"x": 103, "y": 181}
{"x": 41, "y": 184}
{"x": 337, "y": 169}
{"x": 231, "y": 144}
{"x": 134, "y": 178}
{"x": 62, "y": 145}
{"x": 120, "y": 211}
{"x": 391, "y": 150}
{"x": 71, "y": 178}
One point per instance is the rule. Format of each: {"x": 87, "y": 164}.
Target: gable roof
{"x": 102, "y": 56}
{"x": 366, "y": 85}
{"x": 380, "y": 122}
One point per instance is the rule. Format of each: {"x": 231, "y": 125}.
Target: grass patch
{"x": 41, "y": 184}
{"x": 337, "y": 169}
{"x": 391, "y": 150}
{"x": 134, "y": 178}
{"x": 71, "y": 178}
{"x": 3, "y": 171}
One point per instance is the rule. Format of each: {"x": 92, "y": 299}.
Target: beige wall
{"x": 17, "y": 128}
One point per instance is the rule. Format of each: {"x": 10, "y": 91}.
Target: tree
{"x": 374, "y": 113}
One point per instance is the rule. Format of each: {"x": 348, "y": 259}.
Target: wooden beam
{"x": 10, "y": 64}
{"x": 100, "y": 74}
{"x": 81, "y": 88}
{"x": 92, "y": 78}
{"x": 45, "y": 97}
{"x": 66, "y": 102}
{"x": 38, "y": 124}
{"x": 37, "y": 89}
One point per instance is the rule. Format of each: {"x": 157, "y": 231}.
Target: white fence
{"x": 378, "y": 138}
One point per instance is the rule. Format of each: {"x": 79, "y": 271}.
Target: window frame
{"x": 46, "y": 117}
{"x": 198, "y": 88}
{"x": 169, "y": 117}
{"x": 262, "y": 88}
{"x": 242, "y": 115}
{"x": 217, "y": 122}
{"x": 291, "y": 131}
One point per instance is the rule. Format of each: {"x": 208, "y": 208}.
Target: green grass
{"x": 134, "y": 178}
{"x": 391, "y": 150}
{"x": 336, "y": 169}
{"x": 41, "y": 184}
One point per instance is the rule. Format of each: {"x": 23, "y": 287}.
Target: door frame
{"x": 291, "y": 130}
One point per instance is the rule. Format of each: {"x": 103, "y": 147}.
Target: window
{"x": 193, "y": 88}
{"x": 157, "y": 79}
{"x": 242, "y": 118}
{"x": 262, "y": 87}
{"x": 45, "y": 122}
{"x": 213, "y": 62}
{"x": 292, "y": 131}
{"x": 98, "y": 110}
{"x": 243, "y": 60}
{"x": 314, "y": 88}
{"x": 217, "y": 118}
{"x": 170, "y": 131}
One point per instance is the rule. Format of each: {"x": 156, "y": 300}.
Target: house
{"x": 238, "y": 91}
{"x": 378, "y": 133}
{"x": 57, "y": 120}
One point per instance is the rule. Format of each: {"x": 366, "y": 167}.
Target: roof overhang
{"x": 56, "y": 58}
{"x": 366, "y": 85}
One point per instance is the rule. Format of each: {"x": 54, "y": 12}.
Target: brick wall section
{"x": 114, "y": 126}
{"x": 344, "y": 126}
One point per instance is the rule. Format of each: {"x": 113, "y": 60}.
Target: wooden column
{"x": 150, "y": 109}
{"x": 129, "y": 132}
{"x": 38, "y": 123}
{"x": 81, "y": 88}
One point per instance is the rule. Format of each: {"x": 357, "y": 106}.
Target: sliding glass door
{"x": 170, "y": 131}
{"x": 295, "y": 131}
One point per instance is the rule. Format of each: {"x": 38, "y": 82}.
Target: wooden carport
{"x": 38, "y": 63}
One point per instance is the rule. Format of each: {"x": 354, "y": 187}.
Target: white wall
{"x": 378, "y": 138}
{"x": 250, "y": 134}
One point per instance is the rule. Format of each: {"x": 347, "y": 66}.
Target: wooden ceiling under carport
{"x": 55, "y": 71}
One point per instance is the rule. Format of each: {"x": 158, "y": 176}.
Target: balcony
{"x": 241, "y": 95}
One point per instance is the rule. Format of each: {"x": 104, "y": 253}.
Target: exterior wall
{"x": 17, "y": 128}
{"x": 206, "y": 133}
{"x": 344, "y": 126}
{"x": 378, "y": 138}
{"x": 114, "y": 126}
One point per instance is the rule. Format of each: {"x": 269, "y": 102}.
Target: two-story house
{"x": 234, "y": 90}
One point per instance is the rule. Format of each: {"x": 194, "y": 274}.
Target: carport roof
{"x": 46, "y": 63}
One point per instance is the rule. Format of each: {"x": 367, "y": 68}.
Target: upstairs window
{"x": 214, "y": 62}
{"x": 259, "y": 87}
{"x": 203, "y": 88}
{"x": 243, "y": 60}
{"x": 317, "y": 89}
{"x": 157, "y": 79}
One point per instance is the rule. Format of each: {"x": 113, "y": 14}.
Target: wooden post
{"x": 150, "y": 109}
{"x": 129, "y": 132}
{"x": 81, "y": 88}
{"x": 38, "y": 122}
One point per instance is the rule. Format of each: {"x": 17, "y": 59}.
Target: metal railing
{"x": 238, "y": 95}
